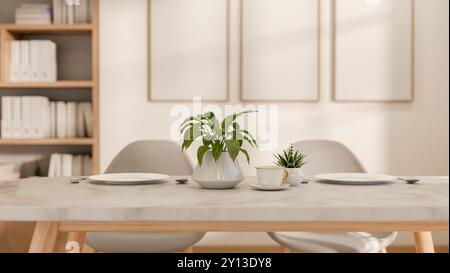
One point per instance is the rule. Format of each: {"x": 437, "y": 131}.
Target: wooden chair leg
{"x": 188, "y": 250}
{"x": 285, "y": 250}
{"x": 424, "y": 242}
{"x": 44, "y": 237}
{"x": 75, "y": 242}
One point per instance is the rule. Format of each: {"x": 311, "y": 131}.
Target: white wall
{"x": 396, "y": 139}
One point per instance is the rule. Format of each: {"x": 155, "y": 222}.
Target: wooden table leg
{"x": 424, "y": 242}
{"x": 75, "y": 242}
{"x": 44, "y": 237}
{"x": 87, "y": 249}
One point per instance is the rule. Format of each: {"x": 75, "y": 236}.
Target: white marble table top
{"x": 55, "y": 199}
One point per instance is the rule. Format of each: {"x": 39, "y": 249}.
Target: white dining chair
{"x": 324, "y": 156}
{"x": 148, "y": 156}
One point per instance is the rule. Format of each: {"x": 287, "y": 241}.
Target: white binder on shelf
{"x": 53, "y": 61}
{"x": 44, "y": 63}
{"x": 57, "y": 7}
{"x": 16, "y": 117}
{"x": 45, "y": 117}
{"x": 26, "y": 106}
{"x": 67, "y": 165}
{"x": 55, "y": 167}
{"x": 88, "y": 115}
{"x": 81, "y": 131}
{"x": 71, "y": 116}
{"x": 47, "y": 61}
{"x": 6, "y": 118}
{"x": 35, "y": 60}
{"x": 15, "y": 62}
{"x": 63, "y": 12}
{"x": 52, "y": 119}
{"x": 36, "y": 118}
{"x": 61, "y": 119}
{"x": 70, "y": 14}
{"x": 82, "y": 12}
{"x": 77, "y": 169}
{"x": 25, "y": 67}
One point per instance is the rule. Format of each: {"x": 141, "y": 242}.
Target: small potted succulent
{"x": 222, "y": 142}
{"x": 292, "y": 162}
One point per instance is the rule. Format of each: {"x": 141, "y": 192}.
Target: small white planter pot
{"x": 294, "y": 176}
{"x": 221, "y": 174}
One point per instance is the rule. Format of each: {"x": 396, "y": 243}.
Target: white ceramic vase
{"x": 294, "y": 176}
{"x": 221, "y": 174}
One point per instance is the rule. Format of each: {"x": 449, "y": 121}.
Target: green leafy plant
{"x": 217, "y": 137}
{"x": 289, "y": 159}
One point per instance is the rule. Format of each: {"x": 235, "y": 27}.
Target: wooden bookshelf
{"x": 52, "y": 85}
{"x": 48, "y": 142}
{"x": 48, "y": 29}
{"x": 10, "y": 32}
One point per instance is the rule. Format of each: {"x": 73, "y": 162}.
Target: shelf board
{"x": 46, "y": 142}
{"x": 58, "y": 84}
{"x": 48, "y": 29}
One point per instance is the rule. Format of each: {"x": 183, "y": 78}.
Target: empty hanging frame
{"x": 188, "y": 50}
{"x": 373, "y": 50}
{"x": 280, "y": 53}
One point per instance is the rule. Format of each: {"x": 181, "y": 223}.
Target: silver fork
{"x": 77, "y": 179}
{"x": 305, "y": 181}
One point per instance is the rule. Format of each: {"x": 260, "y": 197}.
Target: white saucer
{"x": 282, "y": 187}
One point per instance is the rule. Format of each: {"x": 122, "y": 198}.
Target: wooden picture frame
{"x": 152, "y": 96}
{"x": 316, "y": 36}
{"x": 336, "y": 69}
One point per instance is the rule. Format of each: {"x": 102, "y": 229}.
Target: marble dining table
{"x": 58, "y": 206}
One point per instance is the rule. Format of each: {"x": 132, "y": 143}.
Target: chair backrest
{"x": 151, "y": 156}
{"x": 325, "y": 156}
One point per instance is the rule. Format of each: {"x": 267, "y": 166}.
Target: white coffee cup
{"x": 271, "y": 176}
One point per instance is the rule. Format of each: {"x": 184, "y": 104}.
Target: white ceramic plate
{"x": 355, "y": 178}
{"x": 129, "y": 178}
{"x": 265, "y": 188}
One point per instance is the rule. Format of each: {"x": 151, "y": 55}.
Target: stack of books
{"x": 34, "y": 14}
{"x": 33, "y": 61}
{"x": 8, "y": 172}
{"x": 69, "y": 165}
{"x": 35, "y": 117}
{"x": 77, "y": 13}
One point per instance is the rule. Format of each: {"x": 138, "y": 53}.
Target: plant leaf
{"x": 290, "y": 159}
{"x": 217, "y": 149}
{"x": 233, "y": 148}
{"x": 187, "y": 125}
{"x": 193, "y": 133}
{"x": 209, "y": 115}
{"x": 201, "y": 153}
{"x": 186, "y": 144}
{"x": 246, "y": 155}
{"x": 249, "y": 136}
{"x": 197, "y": 118}
{"x": 206, "y": 141}
{"x": 231, "y": 118}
